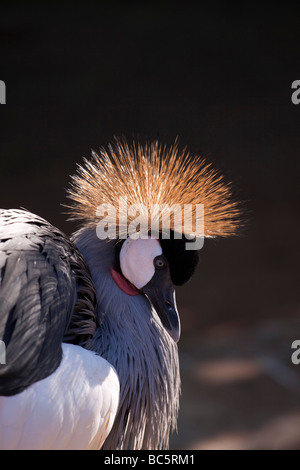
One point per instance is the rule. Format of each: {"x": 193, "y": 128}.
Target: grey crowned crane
{"x": 90, "y": 324}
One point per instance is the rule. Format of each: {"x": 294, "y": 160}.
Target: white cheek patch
{"x": 136, "y": 259}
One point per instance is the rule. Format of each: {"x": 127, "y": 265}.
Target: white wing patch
{"x": 73, "y": 408}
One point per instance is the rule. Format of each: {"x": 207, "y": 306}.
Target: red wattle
{"x": 124, "y": 285}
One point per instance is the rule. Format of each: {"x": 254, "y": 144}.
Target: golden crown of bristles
{"x": 152, "y": 174}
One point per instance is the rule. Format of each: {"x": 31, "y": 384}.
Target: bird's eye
{"x": 159, "y": 262}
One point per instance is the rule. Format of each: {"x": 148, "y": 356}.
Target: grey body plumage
{"x": 51, "y": 299}
{"x": 131, "y": 337}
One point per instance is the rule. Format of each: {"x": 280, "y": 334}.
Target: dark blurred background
{"x": 220, "y": 78}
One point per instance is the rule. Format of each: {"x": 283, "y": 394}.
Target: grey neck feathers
{"x": 130, "y": 336}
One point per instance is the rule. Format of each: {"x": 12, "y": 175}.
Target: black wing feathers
{"x": 41, "y": 274}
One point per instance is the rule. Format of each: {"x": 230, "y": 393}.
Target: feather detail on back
{"x": 46, "y": 296}
{"x": 149, "y": 176}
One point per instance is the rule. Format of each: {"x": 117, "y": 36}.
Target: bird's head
{"x": 140, "y": 266}
{"x": 153, "y": 181}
